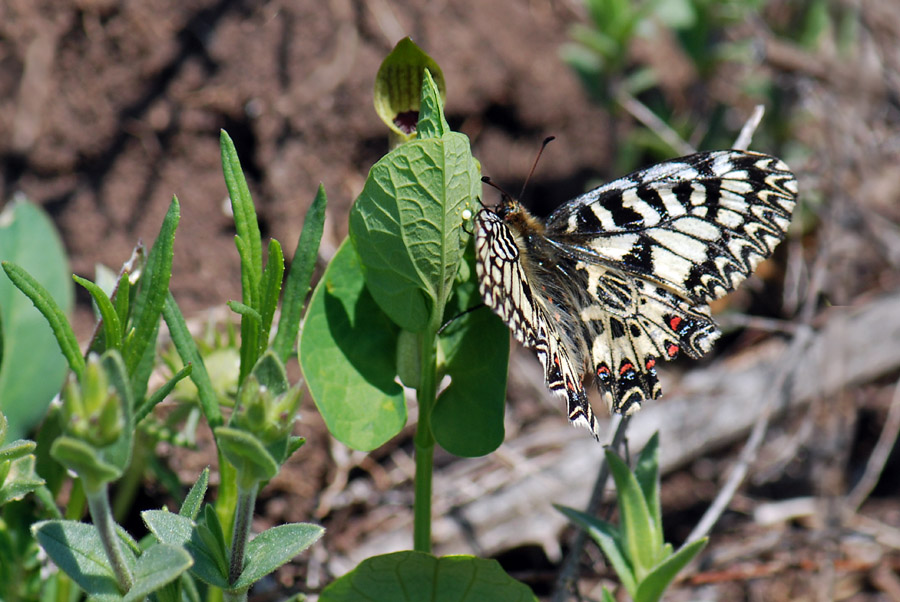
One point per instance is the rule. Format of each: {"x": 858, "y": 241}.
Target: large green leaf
{"x": 347, "y": 352}
{"x": 420, "y": 577}
{"x": 407, "y": 224}
{"x": 467, "y": 419}
{"x": 32, "y": 367}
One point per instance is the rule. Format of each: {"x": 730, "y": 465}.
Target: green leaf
{"x": 270, "y": 289}
{"x": 168, "y": 527}
{"x": 32, "y": 368}
{"x": 208, "y": 548}
{"x": 273, "y": 548}
{"x": 270, "y": 373}
{"x": 206, "y": 544}
{"x": 245, "y": 311}
{"x": 119, "y": 453}
{"x": 432, "y": 123}
{"x": 638, "y": 532}
{"x": 160, "y": 394}
{"x": 467, "y": 419}
{"x": 45, "y": 303}
{"x": 425, "y": 578}
{"x": 190, "y": 508}
{"x": 77, "y": 550}
{"x": 407, "y": 225}
{"x": 298, "y": 281}
{"x": 112, "y": 328}
{"x": 246, "y": 453}
{"x": 655, "y": 584}
{"x": 187, "y": 350}
{"x": 249, "y": 246}
{"x": 152, "y": 290}
{"x": 16, "y": 449}
{"x": 347, "y": 352}
{"x": 85, "y": 461}
{"x": 646, "y": 471}
{"x": 398, "y": 86}
{"x": 18, "y": 479}
{"x": 245, "y": 222}
{"x": 607, "y": 537}
{"x": 157, "y": 566}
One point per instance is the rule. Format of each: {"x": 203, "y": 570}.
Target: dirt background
{"x": 109, "y": 108}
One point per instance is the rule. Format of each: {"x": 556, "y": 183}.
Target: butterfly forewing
{"x": 620, "y": 277}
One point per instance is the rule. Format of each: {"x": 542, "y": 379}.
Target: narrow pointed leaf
{"x": 187, "y": 350}
{"x": 112, "y": 328}
{"x": 608, "y": 539}
{"x": 299, "y": 276}
{"x": 270, "y": 291}
{"x": 655, "y": 584}
{"x": 190, "y": 508}
{"x": 45, "y": 303}
{"x": 152, "y": 290}
{"x": 638, "y": 533}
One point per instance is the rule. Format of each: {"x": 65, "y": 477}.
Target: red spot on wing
{"x": 672, "y": 350}
{"x": 650, "y": 363}
{"x": 674, "y": 323}
{"x": 602, "y": 370}
{"x": 626, "y": 368}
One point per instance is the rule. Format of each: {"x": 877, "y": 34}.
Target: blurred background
{"x": 109, "y": 108}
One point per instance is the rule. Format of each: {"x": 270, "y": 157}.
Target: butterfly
{"x": 620, "y": 277}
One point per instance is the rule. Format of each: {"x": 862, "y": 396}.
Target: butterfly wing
{"x": 506, "y": 289}
{"x": 698, "y": 225}
{"x": 656, "y": 246}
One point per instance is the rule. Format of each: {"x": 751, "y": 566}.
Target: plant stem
{"x": 241, "y": 533}
{"x": 98, "y": 503}
{"x": 426, "y": 395}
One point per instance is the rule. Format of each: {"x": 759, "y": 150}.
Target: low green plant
{"x": 645, "y": 564}
{"x": 203, "y": 549}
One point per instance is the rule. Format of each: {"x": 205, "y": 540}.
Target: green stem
{"x": 242, "y": 517}
{"x": 426, "y": 395}
{"x": 98, "y": 502}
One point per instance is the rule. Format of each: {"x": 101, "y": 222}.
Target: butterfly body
{"x": 619, "y": 278}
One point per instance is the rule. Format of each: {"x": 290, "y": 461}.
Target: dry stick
{"x": 569, "y": 570}
{"x": 800, "y": 342}
{"x": 642, "y": 113}
{"x": 879, "y": 456}
{"x": 743, "y": 139}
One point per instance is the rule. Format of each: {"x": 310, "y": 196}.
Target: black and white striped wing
{"x": 698, "y": 225}
{"x": 657, "y": 246}
{"x": 505, "y": 288}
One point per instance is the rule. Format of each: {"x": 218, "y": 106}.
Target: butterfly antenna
{"x": 544, "y": 144}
